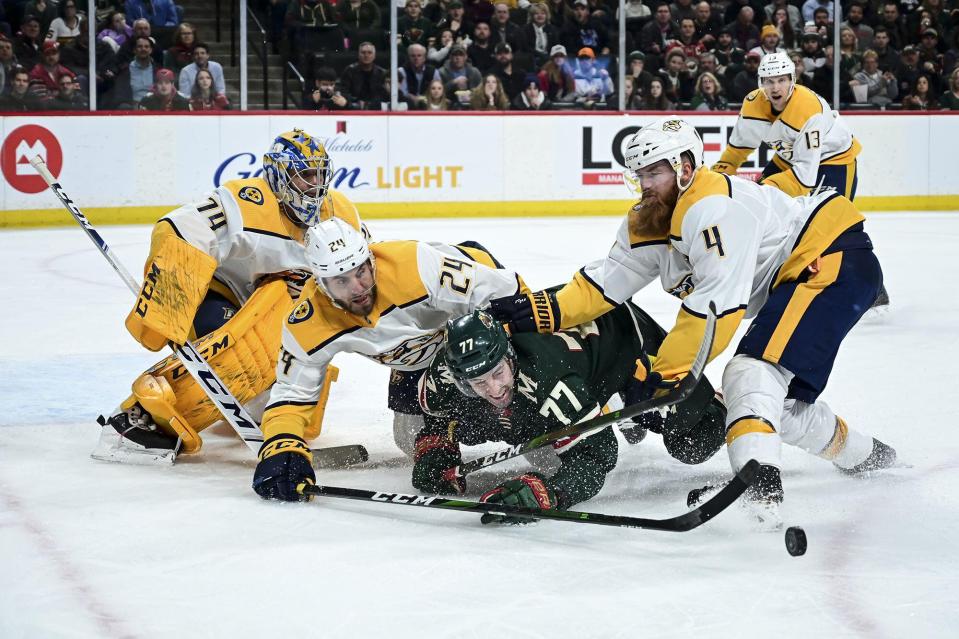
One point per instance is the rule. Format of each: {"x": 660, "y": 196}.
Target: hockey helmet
{"x": 475, "y": 345}
{"x": 333, "y": 248}
{"x": 664, "y": 139}
{"x": 292, "y": 155}
{"x": 774, "y": 65}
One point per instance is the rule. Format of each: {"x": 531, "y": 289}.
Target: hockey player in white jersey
{"x": 802, "y": 268}
{"x": 387, "y": 301}
{"x": 226, "y": 267}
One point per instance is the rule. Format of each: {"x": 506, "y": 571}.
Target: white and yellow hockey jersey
{"x": 806, "y": 134}
{"x": 731, "y": 242}
{"x": 419, "y": 286}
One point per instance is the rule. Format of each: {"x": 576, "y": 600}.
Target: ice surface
{"x": 89, "y": 549}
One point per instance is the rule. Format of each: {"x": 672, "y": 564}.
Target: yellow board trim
{"x": 799, "y": 303}
{"x": 747, "y": 426}
{"x": 30, "y": 218}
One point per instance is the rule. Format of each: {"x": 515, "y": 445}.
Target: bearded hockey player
{"x": 802, "y": 268}
{"x": 226, "y": 267}
{"x": 485, "y": 386}
{"x": 387, "y": 301}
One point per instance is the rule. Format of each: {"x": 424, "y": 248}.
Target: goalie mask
{"x": 298, "y": 170}
{"x": 481, "y": 358}
{"x": 343, "y": 265}
{"x": 664, "y": 139}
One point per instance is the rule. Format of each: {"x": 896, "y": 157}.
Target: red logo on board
{"x": 20, "y": 147}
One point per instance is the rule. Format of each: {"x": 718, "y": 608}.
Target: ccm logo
{"x": 399, "y": 498}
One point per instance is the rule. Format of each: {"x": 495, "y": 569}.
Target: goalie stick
{"x": 682, "y": 390}
{"x": 680, "y": 523}
{"x": 232, "y": 411}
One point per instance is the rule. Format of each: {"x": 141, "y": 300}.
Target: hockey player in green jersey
{"x": 486, "y": 386}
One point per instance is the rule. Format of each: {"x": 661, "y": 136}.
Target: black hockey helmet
{"x": 475, "y": 344}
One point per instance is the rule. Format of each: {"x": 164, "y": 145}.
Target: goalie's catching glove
{"x": 526, "y": 491}
{"x": 527, "y": 312}
{"x": 285, "y": 463}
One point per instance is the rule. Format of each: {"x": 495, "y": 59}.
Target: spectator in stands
{"x": 744, "y": 32}
{"x": 180, "y": 54}
{"x": 709, "y": 94}
{"x": 418, "y": 74}
{"x": 908, "y": 71}
{"x": 822, "y": 80}
{"x": 440, "y": 51}
{"x": 539, "y": 34}
{"x": 477, "y": 10}
{"x": 593, "y": 84}
{"x": 455, "y": 21}
{"x": 7, "y": 59}
{"x": 746, "y": 80}
{"x": 801, "y": 78}
{"x": 201, "y": 60}
{"x": 458, "y": 76}
{"x": 26, "y": 45}
{"x": 950, "y": 98}
{"x": 793, "y": 15}
{"x": 659, "y": 30}
{"x": 141, "y": 28}
{"x": 203, "y": 93}
{"x": 18, "y": 97}
{"x": 68, "y": 96}
{"x": 680, "y": 9}
{"x": 363, "y": 81}
{"x": 76, "y": 57}
{"x": 511, "y": 78}
{"x": 436, "y": 99}
{"x": 324, "y": 96}
{"x": 159, "y": 13}
{"x": 691, "y": 46}
{"x": 584, "y": 31}
{"x": 922, "y": 96}
{"x": 813, "y": 56}
{"x": 44, "y": 10}
{"x": 895, "y": 25}
{"x": 678, "y": 82}
{"x": 881, "y": 87}
{"x": 855, "y": 16}
{"x": 481, "y": 50}
{"x": 809, "y": 8}
{"x": 636, "y": 69}
{"x": 359, "y": 14}
{"x": 556, "y": 77}
{"x": 116, "y": 32}
{"x": 66, "y": 27}
{"x": 887, "y": 56}
{"x": 655, "y": 99}
{"x": 164, "y": 96}
{"x": 930, "y": 58}
{"x": 489, "y": 96}
{"x": 503, "y": 30}
{"x": 134, "y": 82}
{"x": 849, "y": 56}
{"x": 47, "y": 73}
{"x": 950, "y": 60}
{"x": 308, "y": 13}
{"x": 635, "y": 9}
{"x": 708, "y": 24}
{"x": 769, "y": 41}
{"x": 531, "y": 98}
{"x": 788, "y": 38}
{"x": 729, "y": 57}
{"x": 414, "y": 28}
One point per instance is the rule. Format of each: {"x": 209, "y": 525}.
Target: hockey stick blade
{"x": 681, "y": 523}
{"x": 334, "y": 457}
{"x": 682, "y": 390}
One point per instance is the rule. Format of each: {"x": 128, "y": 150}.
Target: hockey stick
{"x": 232, "y": 411}
{"x": 681, "y": 523}
{"x": 682, "y": 390}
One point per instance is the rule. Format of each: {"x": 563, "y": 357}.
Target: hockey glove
{"x": 527, "y": 313}
{"x": 645, "y": 385}
{"x": 285, "y": 463}
{"x": 526, "y": 491}
{"x": 434, "y": 455}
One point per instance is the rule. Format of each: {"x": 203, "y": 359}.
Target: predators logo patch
{"x": 672, "y": 125}
{"x": 302, "y": 312}
{"x": 251, "y": 194}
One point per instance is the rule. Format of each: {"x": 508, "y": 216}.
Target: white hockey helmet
{"x": 664, "y": 139}
{"x": 776, "y": 64}
{"x": 333, "y": 247}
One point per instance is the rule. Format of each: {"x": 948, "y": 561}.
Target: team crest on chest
{"x": 302, "y": 312}
{"x": 251, "y": 194}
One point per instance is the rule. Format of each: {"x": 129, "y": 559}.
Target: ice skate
{"x": 130, "y": 436}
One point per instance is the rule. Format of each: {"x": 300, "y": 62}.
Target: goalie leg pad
{"x": 176, "y": 280}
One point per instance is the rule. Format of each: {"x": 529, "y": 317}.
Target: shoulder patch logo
{"x": 302, "y": 312}
{"x": 251, "y": 194}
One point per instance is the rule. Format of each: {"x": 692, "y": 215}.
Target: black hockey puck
{"x": 795, "y": 541}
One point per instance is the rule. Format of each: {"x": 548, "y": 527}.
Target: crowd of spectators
{"x": 146, "y": 58}
{"x": 487, "y": 55}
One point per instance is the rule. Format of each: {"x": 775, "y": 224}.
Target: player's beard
{"x": 652, "y": 215}
{"x": 361, "y": 308}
